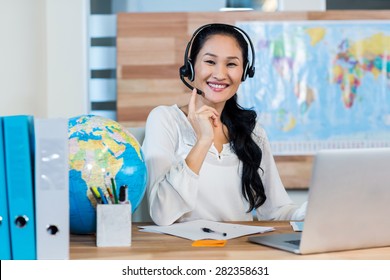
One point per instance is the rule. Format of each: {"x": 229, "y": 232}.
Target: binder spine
{"x": 5, "y": 241}
{"x": 52, "y": 188}
{"x": 19, "y": 173}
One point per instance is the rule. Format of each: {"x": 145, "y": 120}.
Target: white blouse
{"x": 177, "y": 194}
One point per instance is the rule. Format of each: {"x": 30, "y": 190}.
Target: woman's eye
{"x": 232, "y": 64}
{"x": 210, "y": 62}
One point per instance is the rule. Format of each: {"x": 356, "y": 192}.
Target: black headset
{"x": 187, "y": 70}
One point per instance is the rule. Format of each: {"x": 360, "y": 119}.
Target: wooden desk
{"x": 153, "y": 246}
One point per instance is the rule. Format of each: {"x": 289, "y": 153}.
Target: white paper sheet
{"x": 193, "y": 230}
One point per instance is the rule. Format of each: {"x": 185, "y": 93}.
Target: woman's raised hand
{"x": 203, "y": 118}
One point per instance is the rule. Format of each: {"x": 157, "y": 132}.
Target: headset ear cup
{"x": 244, "y": 75}
{"x": 187, "y": 71}
{"x": 191, "y": 72}
{"x": 183, "y": 71}
{"x": 251, "y": 72}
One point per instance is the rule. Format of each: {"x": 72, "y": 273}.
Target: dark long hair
{"x": 240, "y": 123}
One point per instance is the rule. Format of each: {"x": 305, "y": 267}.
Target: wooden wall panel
{"x": 150, "y": 51}
{"x": 133, "y": 52}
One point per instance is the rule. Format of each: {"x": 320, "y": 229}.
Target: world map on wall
{"x": 323, "y": 84}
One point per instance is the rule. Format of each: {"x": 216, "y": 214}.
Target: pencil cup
{"x": 113, "y": 225}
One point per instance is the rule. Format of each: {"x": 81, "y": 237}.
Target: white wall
{"x": 22, "y": 59}
{"x": 67, "y": 53}
{"x": 301, "y": 5}
{"x": 170, "y": 5}
{"x": 43, "y": 61}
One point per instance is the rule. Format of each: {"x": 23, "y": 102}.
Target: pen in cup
{"x": 110, "y": 195}
{"x": 102, "y": 196}
{"x": 209, "y": 230}
{"x": 123, "y": 195}
{"x": 114, "y": 193}
{"x": 96, "y": 194}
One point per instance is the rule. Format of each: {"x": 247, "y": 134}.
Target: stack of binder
{"x": 34, "y": 188}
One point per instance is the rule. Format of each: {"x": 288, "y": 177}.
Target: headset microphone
{"x": 198, "y": 91}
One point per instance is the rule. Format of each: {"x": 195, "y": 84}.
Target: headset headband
{"x": 249, "y": 70}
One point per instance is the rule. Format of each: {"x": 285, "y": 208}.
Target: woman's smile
{"x": 217, "y": 86}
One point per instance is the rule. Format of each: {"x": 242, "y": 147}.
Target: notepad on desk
{"x": 203, "y": 229}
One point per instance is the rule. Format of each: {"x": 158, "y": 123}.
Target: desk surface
{"x": 154, "y": 246}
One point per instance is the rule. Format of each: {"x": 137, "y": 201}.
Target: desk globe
{"x": 101, "y": 149}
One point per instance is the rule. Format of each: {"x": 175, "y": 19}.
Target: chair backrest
{"x": 138, "y": 133}
{"x": 141, "y": 214}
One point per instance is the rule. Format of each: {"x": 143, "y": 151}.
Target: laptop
{"x": 348, "y": 204}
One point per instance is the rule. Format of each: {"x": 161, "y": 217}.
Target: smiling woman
{"x": 212, "y": 147}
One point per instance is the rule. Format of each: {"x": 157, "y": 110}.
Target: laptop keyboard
{"x": 294, "y": 242}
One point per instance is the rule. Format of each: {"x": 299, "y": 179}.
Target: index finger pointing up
{"x": 192, "y": 103}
